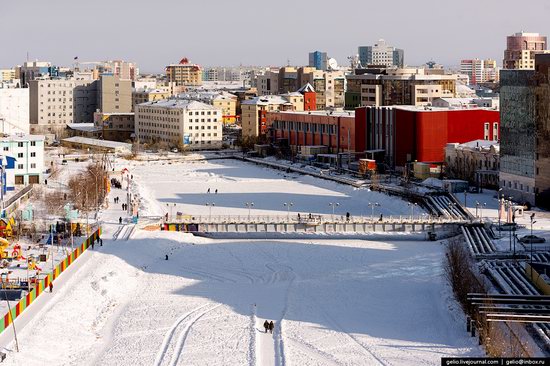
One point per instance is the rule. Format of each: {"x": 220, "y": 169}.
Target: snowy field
{"x": 186, "y": 185}
{"x": 344, "y": 302}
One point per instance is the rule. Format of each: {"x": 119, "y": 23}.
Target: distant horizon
{"x": 226, "y": 34}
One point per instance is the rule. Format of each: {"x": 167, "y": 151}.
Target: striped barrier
{"x": 42, "y": 285}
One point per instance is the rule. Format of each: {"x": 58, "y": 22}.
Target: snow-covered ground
{"x": 333, "y": 302}
{"x": 238, "y": 183}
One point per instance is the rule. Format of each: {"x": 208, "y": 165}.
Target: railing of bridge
{"x": 312, "y": 220}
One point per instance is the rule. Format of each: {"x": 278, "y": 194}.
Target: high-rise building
{"x": 114, "y": 95}
{"x": 184, "y": 74}
{"x": 381, "y": 54}
{"x": 479, "y": 71}
{"x": 525, "y": 132}
{"x": 36, "y": 69}
{"x": 318, "y": 60}
{"x": 521, "y": 49}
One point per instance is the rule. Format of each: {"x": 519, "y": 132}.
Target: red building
{"x": 310, "y": 97}
{"x": 408, "y": 133}
{"x": 315, "y": 128}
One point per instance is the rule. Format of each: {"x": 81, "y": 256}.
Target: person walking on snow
{"x": 120, "y": 220}
{"x": 216, "y": 192}
{"x": 266, "y": 325}
{"x": 271, "y": 326}
{"x": 51, "y": 290}
{"x": 208, "y": 191}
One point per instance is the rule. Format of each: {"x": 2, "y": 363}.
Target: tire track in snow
{"x": 168, "y": 337}
{"x": 183, "y": 335}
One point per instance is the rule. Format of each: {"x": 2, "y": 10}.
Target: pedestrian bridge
{"x": 315, "y": 224}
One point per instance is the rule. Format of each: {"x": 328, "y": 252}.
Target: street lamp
{"x": 334, "y": 205}
{"x": 249, "y": 205}
{"x": 288, "y": 206}
{"x": 170, "y": 206}
{"x": 411, "y": 205}
{"x": 210, "y": 205}
{"x": 372, "y": 206}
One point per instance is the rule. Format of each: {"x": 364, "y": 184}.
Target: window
{"x": 486, "y": 131}
{"x": 33, "y": 166}
{"x": 495, "y": 131}
{"x": 19, "y": 144}
{"x": 33, "y": 155}
{"x": 20, "y": 155}
{"x": 19, "y": 166}
{"x": 6, "y": 148}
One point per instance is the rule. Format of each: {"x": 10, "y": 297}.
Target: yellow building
{"x": 148, "y": 95}
{"x": 184, "y": 74}
{"x": 225, "y": 101}
{"x": 253, "y": 117}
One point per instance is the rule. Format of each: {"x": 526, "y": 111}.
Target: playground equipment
{"x": 32, "y": 264}
{"x": 6, "y": 227}
{"x": 17, "y": 253}
{"x": 4, "y": 248}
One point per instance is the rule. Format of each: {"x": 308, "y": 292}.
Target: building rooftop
{"x": 99, "y": 143}
{"x": 266, "y": 100}
{"x": 21, "y": 137}
{"x": 350, "y": 114}
{"x": 179, "y": 104}
{"x": 85, "y": 127}
{"x": 413, "y": 108}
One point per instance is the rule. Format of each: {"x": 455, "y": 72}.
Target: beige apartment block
{"x": 114, "y": 95}
{"x": 225, "y": 101}
{"x": 55, "y": 103}
{"x": 180, "y": 123}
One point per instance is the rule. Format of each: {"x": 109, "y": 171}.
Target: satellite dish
{"x": 332, "y": 64}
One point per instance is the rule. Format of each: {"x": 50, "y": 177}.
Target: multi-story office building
{"x": 182, "y": 123}
{"x": 381, "y": 54}
{"x": 148, "y": 95}
{"x": 225, "y": 101}
{"x": 28, "y": 150}
{"x": 55, "y": 103}
{"x": 521, "y": 49}
{"x": 318, "y": 60}
{"x": 525, "y": 132}
{"x": 409, "y": 86}
{"x": 119, "y": 68}
{"x": 115, "y": 126}
{"x": 114, "y": 95}
{"x": 184, "y": 74}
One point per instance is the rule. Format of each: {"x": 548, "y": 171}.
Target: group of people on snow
{"x": 269, "y": 326}
{"x": 215, "y": 192}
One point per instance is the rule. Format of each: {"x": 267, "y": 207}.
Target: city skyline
{"x": 216, "y": 37}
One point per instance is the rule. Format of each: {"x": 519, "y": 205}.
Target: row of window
{"x": 304, "y": 126}
{"x": 508, "y": 184}
{"x": 20, "y": 144}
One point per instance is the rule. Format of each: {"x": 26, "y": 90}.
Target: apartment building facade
{"x": 254, "y": 112}
{"x": 114, "y": 95}
{"x": 225, "y": 101}
{"x": 182, "y": 123}
{"x": 28, "y": 151}
{"x": 184, "y": 74}
{"x": 55, "y": 102}
{"x": 148, "y": 95}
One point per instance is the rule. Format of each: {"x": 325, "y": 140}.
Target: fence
{"x": 43, "y": 284}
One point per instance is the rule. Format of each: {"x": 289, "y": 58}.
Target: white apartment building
{"x": 14, "y": 110}
{"x": 55, "y": 103}
{"x": 28, "y": 151}
{"x": 181, "y": 123}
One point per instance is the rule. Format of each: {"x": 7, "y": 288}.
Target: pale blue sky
{"x": 251, "y": 32}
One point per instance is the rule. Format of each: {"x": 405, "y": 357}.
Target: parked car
{"x": 528, "y": 239}
{"x": 64, "y": 162}
{"x": 174, "y": 150}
